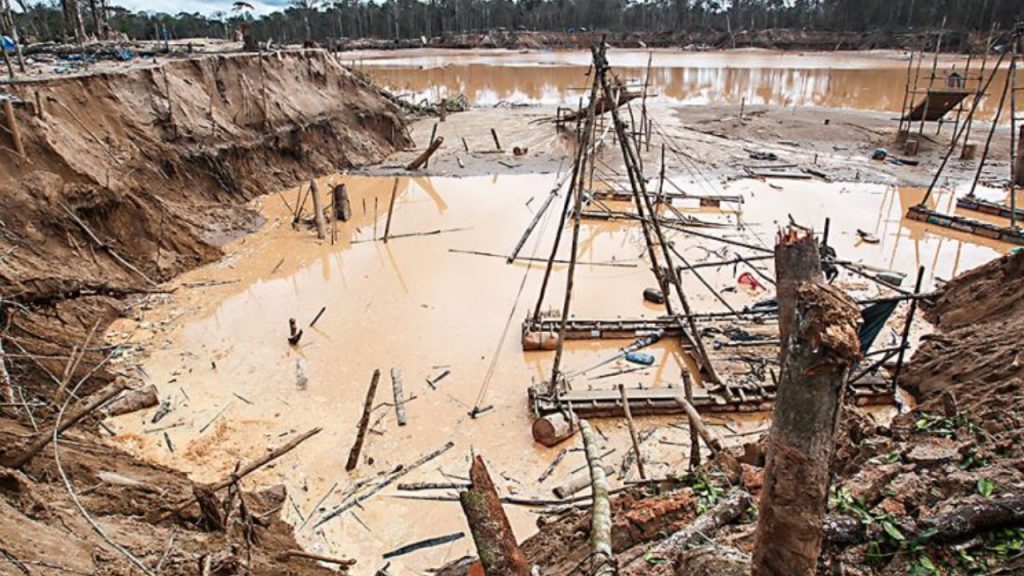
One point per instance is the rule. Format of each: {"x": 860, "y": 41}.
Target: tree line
{"x": 325, "y": 20}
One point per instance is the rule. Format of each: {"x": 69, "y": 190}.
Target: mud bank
{"x": 128, "y": 179}
{"x": 778, "y": 39}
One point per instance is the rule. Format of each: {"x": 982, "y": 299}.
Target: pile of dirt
{"x": 128, "y": 179}
{"x": 938, "y": 490}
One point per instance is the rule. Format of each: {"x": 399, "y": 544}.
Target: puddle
{"x": 421, "y": 305}
{"x": 851, "y": 81}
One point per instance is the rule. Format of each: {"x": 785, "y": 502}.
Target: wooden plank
{"x": 986, "y": 207}
{"x": 967, "y": 225}
{"x": 938, "y": 104}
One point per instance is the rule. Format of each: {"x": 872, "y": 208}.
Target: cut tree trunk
{"x": 495, "y": 543}
{"x": 796, "y": 260}
{"x": 342, "y": 205}
{"x": 823, "y": 344}
{"x": 554, "y": 428}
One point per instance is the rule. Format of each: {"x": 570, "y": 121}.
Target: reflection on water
{"x": 793, "y": 80}
{"x": 424, "y": 305}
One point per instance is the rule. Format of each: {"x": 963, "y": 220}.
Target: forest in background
{"x": 323, "y": 21}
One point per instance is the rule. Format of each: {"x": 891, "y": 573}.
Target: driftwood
{"x": 132, "y": 401}
{"x": 364, "y": 423}
{"x": 495, "y": 542}
{"x": 823, "y": 344}
{"x": 43, "y": 439}
{"x": 601, "y": 514}
{"x": 425, "y": 156}
{"x": 632, "y": 432}
{"x": 554, "y": 464}
{"x": 343, "y": 562}
{"x": 725, "y": 512}
{"x": 390, "y": 479}
{"x": 429, "y": 542}
{"x": 244, "y": 471}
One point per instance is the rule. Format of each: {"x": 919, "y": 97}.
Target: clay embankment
{"x": 129, "y": 179}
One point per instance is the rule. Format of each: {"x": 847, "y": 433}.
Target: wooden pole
{"x": 433, "y": 134}
{"x": 342, "y": 204}
{"x": 21, "y": 458}
{"x": 318, "y": 210}
{"x": 632, "y": 432}
{"x": 497, "y": 143}
{"x": 495, "y": 542}
{"x": 601, "y": 512}
{"x": 391, "y": 209}
{"x": 364, "y": 423}
{"x": 906, "y": 329}
{"x": 823, "y": 345}
{"x": 396, "y": 388}
{"x": 12, "y": 125}
{"x": 694, "y": 431}
{"x": 713, "y": 441}
{"x": 422, "y": 159}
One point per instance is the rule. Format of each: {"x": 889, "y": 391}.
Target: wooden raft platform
{"x": 869, "y": 391}
{"x": 622, "y": 195}
{"x": 937, "y": 103}
{"x": 986, "y": 207}
{"x": 541, "y": 335}
{"x": 959, "y": 223}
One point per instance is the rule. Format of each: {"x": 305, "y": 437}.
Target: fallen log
{"x": 132, "y": 401}
{"x": 243, "y": 471}
{"x": 601, "y": 511}
{"x": 577, "y": 483}
{"x": 364, "y": 423}
{"x": 42, "y": 440}
{"x": 823, "y": 345}
{"x": 713, "y": 560}
{"x": 425, "y": 156}
{"x": 495, "y": 542}
{"x": 974, "y": 518}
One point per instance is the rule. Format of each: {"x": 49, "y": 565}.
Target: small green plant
{"x": 986, "y": 486}
{"x": 708, "y": 493}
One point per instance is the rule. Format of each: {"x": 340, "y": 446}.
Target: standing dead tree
{"x": 495, "y": 542}
{"x": 819, "y": 323}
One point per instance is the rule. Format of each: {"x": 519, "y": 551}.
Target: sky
{"x": 201, "y": 6}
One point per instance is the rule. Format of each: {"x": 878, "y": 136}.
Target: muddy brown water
{"x": 862, "y": 81}
{"x": 217, "y": 348}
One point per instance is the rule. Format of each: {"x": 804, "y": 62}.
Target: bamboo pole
{"x": 601, "y": 511}
{"x": 364, "y": 423}
{"x": 399, "y": 395}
